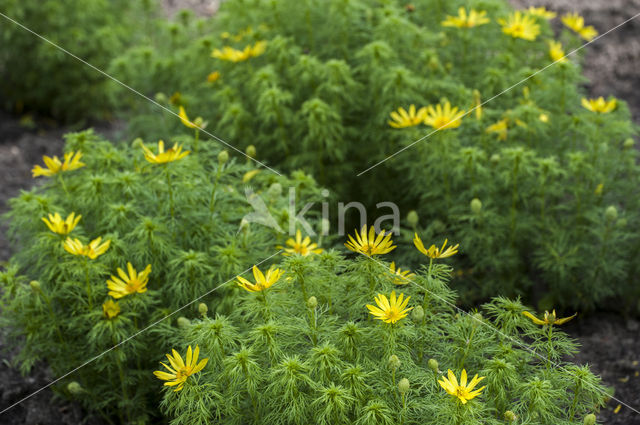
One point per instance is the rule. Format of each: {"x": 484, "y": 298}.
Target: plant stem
{"x": 215, "y": 188}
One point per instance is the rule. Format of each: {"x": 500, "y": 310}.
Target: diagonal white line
{"x": 500, "y": 94}
{"x": 131, "y": 337}
{"x": 135, "y": 91}
{"x": 488, "y": 325}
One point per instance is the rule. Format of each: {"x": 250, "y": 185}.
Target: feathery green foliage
{"x": 183, "y": 218}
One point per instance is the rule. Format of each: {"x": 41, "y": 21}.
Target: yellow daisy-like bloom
{"x": 556, "y": 52}
{"x": 466, "y": 20}
{"x": 179, "y": 371}
{"x": 213, "y": 77}
{"x": 128, "y": 284}
{"x": 390, "y": 310}
{"x": 434, "y": 252}
{"x": 599, "y": 105}
{"x": 173, "y": 154}
{"x": 575, "y": 22}
{"x": 541, "y": 12}
{"x": 463, "y": 391}
{"x": 403, "y": 119}
{"x": 233, "y": 55}
{"x": 519, "y": 25}
{"x": 370, "y": 244}
{"x": 59, "y": 226}
{"x": 93, "y": 250}
{"x": 110, "y": 309}
{"x": 500, "y": 128}
{"x": 400, "y": 277}
{"x": 262, "y": 282}
{"x": 301, "y": 246}
{"x": 258, "y": 48}
{"x": 549, "y": 319}
{"x": 198, "y": 123}
{"x": 55, "y": 166}
{"x": 442, "y": 118}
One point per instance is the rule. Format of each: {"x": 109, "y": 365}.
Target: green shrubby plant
{"x": 37, "y": 77}
{"x": 327, "y": 90}
{"x": 116, "y": 238}
{"x": 305, "y": 347}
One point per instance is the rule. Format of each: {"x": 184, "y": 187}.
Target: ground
{"x": 610, "y": 343}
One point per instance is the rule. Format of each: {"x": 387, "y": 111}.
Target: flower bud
{"x": 161, "y": 98}
{"x": 394, "y": 362}
{"x": 403, "y": 386}
{"x": 476, "y": 205}
{"x": 509, "y": 416}
{"x": 611, "y": 213}
{"x": 312, "y": 302}
{"x": 417, "y": 314}
{"x": 275, "y": 190}
{"x": 495, "y": 158}
{"x": 74, "y": 388}
{"x": 203, "y": 309}
{"x": 433, "y": 365}
{"x": 137, "y": 143}
{"x": 628, "y": 144}
{"x": 622, "y": 222}
{"x": 251, "y": 151}
{"x": 183, "y": 322}
{"x": 35, "y": 286}
{"x": 412, "y": 218}
{"x": 223, "y": 157}
{"x": 590, "y": 419}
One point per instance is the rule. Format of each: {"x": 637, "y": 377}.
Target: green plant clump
{"x": 163, "y": 235}
{"x": 315, "y": 84}
{"x": 304, "y": 349}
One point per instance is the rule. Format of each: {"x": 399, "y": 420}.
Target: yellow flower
{"x": 477, "y": 104}
{"x": 301, "y": 246}
{"x": 59, "y": 226}
{"x": 93, "y": 250}
{"x": 541, "y": 12}
{"x": 233, "y": 55}
{"x": 110, "y": 309}
{"x": 576, "y": 23}
{"x": 544, "y": 118}
{"x": 445, "y": 117}
{"x": 549, "y": 318}
{"x": 370, "y": 244}
{"x": 463, "y": 391}
{"x": 519, "y": 25}
{"x": 463, "y": 20}
{"x": 128, "y": 284}
{"x": 500, "y": 128}
{"x": 54, "y": 165}
{"x": 198, "y": 123}
{"x": 170, "y": 155}
{"x": 249, "y": 175}
{"x": 179, "y": 371}
{"x": 599, "y": 105}
{"x": 259, "y": 48}
{"x": 213, "y": 77}
{"x": 402, "y": 118}
{"x": 434, "y": 252}
{"x": 390, "y": 310}
{"x": 262, "y": 282}
{"x": 400, "y": 277}
{"x": 556, "y": 51}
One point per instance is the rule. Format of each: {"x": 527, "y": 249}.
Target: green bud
{"x": 417, "y": 314}
{"x": 312, "y": 302}
{"x": 275, "y": 190}
{"x": 403, "y": 386}
{"x": 251, "y": 151}
{"x": 394, "y": 362}
{"x": 74, "y": 388}
{"x": 412, "y": 218}
{"x": 590, "y": 419}
{"x": 35, "y": 286}
{"x": 433, "y": 365}
{"x": 476, "y": 205}
{"x": 223, "y": 157}
{"x": 161, "y": 98}
{"x": 622, "y": 222}
{"x": 137, "y": 143}
{"x": 203, "y": 309}
{"x": 509, "y": 416}
{"x": 628, "y": 144}
{"x": 183, "y": 322}
{"x": 611, "y": 213}
{"x": 495, "y": 158}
